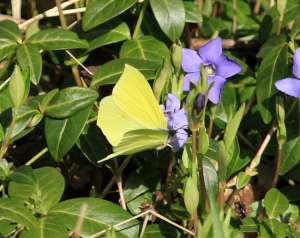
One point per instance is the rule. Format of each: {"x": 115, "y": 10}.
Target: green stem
{"x": 37, "y": 156}
{"x": 140, "y": 19}
{"x": 245, "y": 140}
{"x": 279, "y": 159}
{"x": 296, "y": 100}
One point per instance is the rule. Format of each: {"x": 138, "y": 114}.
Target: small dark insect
{"x": 240, "y": 208}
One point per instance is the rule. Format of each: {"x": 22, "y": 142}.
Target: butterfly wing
{"x": 132, "y": 106}
{"x": 139, "y": 140}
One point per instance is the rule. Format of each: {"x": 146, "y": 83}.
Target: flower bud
{"x": 199, "y": 103}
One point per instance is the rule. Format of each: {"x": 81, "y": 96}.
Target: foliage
{"x": 237, "y": 174}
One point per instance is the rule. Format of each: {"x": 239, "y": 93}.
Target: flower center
{"x": 210, "y": 69}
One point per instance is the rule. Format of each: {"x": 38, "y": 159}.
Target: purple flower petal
{"x": 173, "y": 103}
{"x": 289, "y": 86}
{"x": 194, "y": 77}
{"x": 211, "y": 52}
{"x": 191, "y": 61}
{"x": 296, "y": 67}
{"x": 178, "y": 140}
{"x": 227, "y": 67}
{"x": 180, "y": 120}
{"x": 215, "y": 92}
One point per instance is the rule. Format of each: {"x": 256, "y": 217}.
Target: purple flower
{"x": 218, "y": 67}
{"x": 177, "y": 121}
{"x": 291, "y": 86}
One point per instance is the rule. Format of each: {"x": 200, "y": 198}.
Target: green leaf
{"x": 100, "y": 11}
{"x": 91, "y": 144}
{"x": 192, "y": 12}
{"x": 57, "y": 39}
{"x": 290, "y": 152}
{"x": 7, "y": 227}
{"x": 211, "y": 174}
{"x": 110, "y": 72}
{"x": 227, "y": 104}
{"x": 14, "y": 210}
{"x": 271, "y": 228}
{"x": 100, "y": 215}
{"x": 28, "y": 55}
{"x": 61, "y": 134}
{"x": 249, "y": 225}
{"x": 295, "y": 30}
{"x": 16, "y": 87}
{"x": 46, "y": 228}
{"x": 139, "y": 49}
{"x": 10, "y": 30}
{"x": 5, "y": 100}
{"x": 161, "y": 231}
{"x": 232, "y": 127}
{"x": 47, "y": 99}
{"x": 112, "y": 31}
{"x": 2, "y": 134}
{"x": 276, "y": 203}
{"x": 46, "y": 185}
{"x": 242, "y": 180}
{"x": 170, "y": 16}
{"x": 4, "y": 169}
{"x": 191, "y": 196}
{"x": 272, "y": 68}
{"x": 6, "y": 46}
{"x": 70, "y": 100}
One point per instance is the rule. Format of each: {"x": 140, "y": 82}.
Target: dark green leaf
{"x": 23, "y": 174}
{"x": 10, "y": 30}
{"x": 70, "y": 100}
{"x": 91, "y": 144}
{"x": 110, "y": 72}
{"x": 161, "y": 231}
{"x": 112, "y": 31}
{"x": 47, "y": 99}
{"x": 290, "y": 152}
{"x": 272, "y": 68}
{"x": 211, "y": 174}
{"x": 5, "y": 100}
{"x": 6, "y": 46}
{"x": 28, "y": 55}
{"x": 271, "y": 228}
{"x": 296, "y": 29}
{"x": 46, "y": 228}
{"x": 100, "y": 215}
{"x": 275, "y": 202}
{"x": 57, "y": 39}
{"x": 61, "y": 134}
{"x": 170, "y": 16}
{"x": 139, "y": 49}
{"x": 192, "y": 12}
{"x": 291, "y": 192}
{"x": 15, "y": 210}
{"x": 100, "y": 11}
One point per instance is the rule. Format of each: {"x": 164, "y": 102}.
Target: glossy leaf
{"x": 271, "y": 228}
{"x": 161, "y": 231}
{"x": 275, "y": 202}
{"x": 5, "y": 100}
{"x": 110, "y": 72}
{"x": 249, "y": 225}
{"x": 232, "y": 127}
{"x": 91, "y": 144}
{"x": 170, "y": 16}
{"x": 70, "y": 100}
{"x": 99, "y": 216}
{"x": 290, "y": 152}
{"x": 28, "y": 55}
{"x": 16, "y": 87}
{"x": 46, "y": 228}
{"x": 192, "y": 12}
{"x": 4, "y": 168}
{"x": 14, "y": 210}
{"x": 211, "y": 174}
{"x": 112, "y": 31}
{"x": 100, "y": 11}
{"x": 296, "y": 29}
{"x": 46, "y": 184}
{"x": 2, "y": 133}
{"x": 57, "y": 39}
{"x": 61, "y": 134}
{"x": 272, "y": 68}
{"x": 6, "y": 46}
{"x": 47, "y": 99}
{"x": 139, "y": 49}
{"x": 10, "y": 30}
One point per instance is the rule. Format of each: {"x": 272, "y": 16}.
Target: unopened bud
{"x": 199, "y": 103}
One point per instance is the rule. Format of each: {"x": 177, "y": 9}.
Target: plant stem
{"x": 279, "y": 159}
{"x": 120, "y": 184}
{"x": 140, "y": 19}
{"x": 61, "y": 15}
{"x": 37, "y": 156}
